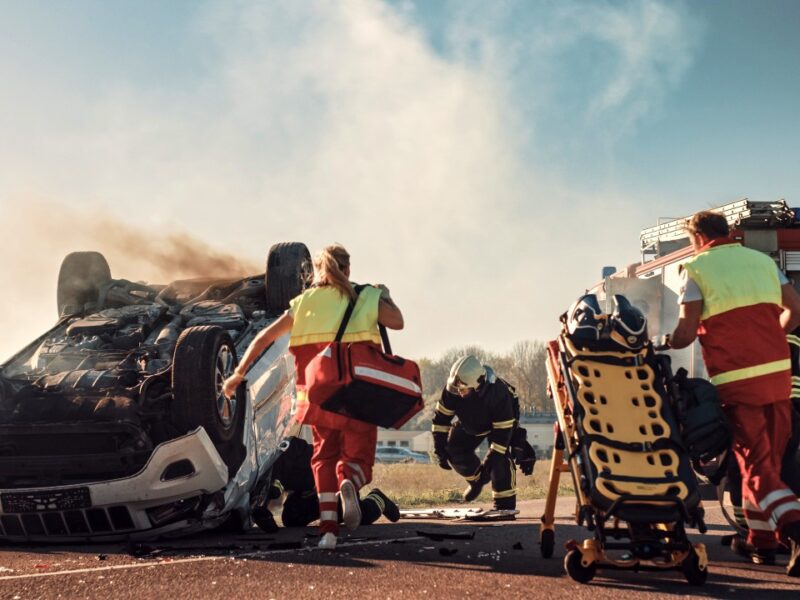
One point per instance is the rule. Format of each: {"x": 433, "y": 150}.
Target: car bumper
{"x": 170, "y": 494}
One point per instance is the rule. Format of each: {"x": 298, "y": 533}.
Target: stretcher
{"x": 618, "y": 438}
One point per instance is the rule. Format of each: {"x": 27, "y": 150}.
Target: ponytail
{"x": 329, "y": 266}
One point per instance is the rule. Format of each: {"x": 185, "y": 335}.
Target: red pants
{"x": 760, "y": 435}
{"x": 340, "y": 454}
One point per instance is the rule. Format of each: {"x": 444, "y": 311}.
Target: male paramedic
{"x": 487, "y": 409}
{"x": 739, "y": 305}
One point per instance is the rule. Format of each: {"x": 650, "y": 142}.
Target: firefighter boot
{"x": 476, "y": 486}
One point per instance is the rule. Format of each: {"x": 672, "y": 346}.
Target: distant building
{"x": 539, "y": 427}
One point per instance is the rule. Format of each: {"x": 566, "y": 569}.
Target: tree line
{"x": 523, "y": 367}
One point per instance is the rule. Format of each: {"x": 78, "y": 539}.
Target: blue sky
{"x": 484, "y": 160}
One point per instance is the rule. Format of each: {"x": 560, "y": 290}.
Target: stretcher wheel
{"x": 575, "y": 569}
{"x": 694, "y": 574}
{"x": 547, "y": 542}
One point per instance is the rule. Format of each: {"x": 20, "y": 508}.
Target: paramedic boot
{"x": 327, "y": 541}
{"x": 351, "y": 507}
{"x": 757, "y": 556}
{"x": 793, "y": 535}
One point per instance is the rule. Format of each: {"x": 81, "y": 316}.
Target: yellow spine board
{"x": 620, "y": 404}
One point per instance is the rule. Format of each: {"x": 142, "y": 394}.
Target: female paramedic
{"x": 344, "y": 449}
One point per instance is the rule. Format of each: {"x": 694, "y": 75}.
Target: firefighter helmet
{"x": 628, "y": 324}
{"x": 585, "y": 320}
{"x": 466, "y": 372}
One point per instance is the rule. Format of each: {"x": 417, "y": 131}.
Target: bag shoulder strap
{"x": 348, "y": 313}
{"x": 387, "y": 347}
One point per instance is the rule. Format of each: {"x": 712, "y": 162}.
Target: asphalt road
{"x": 382, "y": 561}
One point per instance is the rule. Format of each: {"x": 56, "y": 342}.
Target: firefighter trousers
{"x": 760, "y": 436}
{"x": 461, "y": 447}
{"x": 340, "y": 454}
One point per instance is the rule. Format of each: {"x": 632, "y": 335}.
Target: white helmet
{"x": 466, "y": 372}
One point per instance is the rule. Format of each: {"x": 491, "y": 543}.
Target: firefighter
{"x": 487, "y": 409}
{"x": 344, "y": 448}
{"x": 292, "y": 476}
{"x": 740, "y": 306}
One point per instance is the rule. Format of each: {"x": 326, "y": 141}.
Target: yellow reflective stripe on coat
{"x": 318, "y": 313}
{"x": 445, "y": 411}
{"x": 717, "y": 272}
{"x": 441, "y": 428}
{"x": 793, "y": 339}
{"x": 301, "y": 396}
{"x": 498, "y": 448}
{"x": 505, "y": 493}
{"x": 750, "y": 372}
{"x": 503, "y": 424}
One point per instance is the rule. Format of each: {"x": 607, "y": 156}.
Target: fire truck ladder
{"x": 740, "y": 214}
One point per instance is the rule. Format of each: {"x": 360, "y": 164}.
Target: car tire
{"x": 288, "y": 273}
{"x": 80, "y": 278}
{"x": 204, "y": 356}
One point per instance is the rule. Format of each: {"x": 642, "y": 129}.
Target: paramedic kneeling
{"x": 486, "y": 407}
{"x": 739, "y": 305}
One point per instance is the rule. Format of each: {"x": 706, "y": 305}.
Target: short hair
{"x": 711, "y": 224}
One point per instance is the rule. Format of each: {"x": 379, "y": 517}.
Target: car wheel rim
{"x": 226, "y": 408}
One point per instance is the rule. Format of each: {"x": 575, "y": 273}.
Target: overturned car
{"x": 113, "y": 424}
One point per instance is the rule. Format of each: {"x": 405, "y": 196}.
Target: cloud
{"x": 326, "y": 121}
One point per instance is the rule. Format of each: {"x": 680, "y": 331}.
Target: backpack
{"x": 705, "y": 429}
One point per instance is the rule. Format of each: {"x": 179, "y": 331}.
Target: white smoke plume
{"x": 340, "y": 121}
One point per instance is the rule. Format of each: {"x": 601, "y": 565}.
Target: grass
{"x": 416, "y": 485}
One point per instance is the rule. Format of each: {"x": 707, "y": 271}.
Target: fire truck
{"x": 653, "y": 283}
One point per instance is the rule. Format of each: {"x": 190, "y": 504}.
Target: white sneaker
{"x": 351, "y": 508}
{"x": 327, "y": 542}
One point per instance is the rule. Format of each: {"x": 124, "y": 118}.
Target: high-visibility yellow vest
{"x": 318, "y": 312}
{"x": 740, "y": 332}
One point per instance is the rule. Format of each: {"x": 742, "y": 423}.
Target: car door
{"x": 270, "y": 394}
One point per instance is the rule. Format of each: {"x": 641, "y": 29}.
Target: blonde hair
{"x": 329, "y": 266}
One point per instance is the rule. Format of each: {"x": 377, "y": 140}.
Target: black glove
{"x": 443, "y": 458}
{"x": 525, "y": 457}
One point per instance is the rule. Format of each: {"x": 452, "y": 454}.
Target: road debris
{"x": 440, "y": 536}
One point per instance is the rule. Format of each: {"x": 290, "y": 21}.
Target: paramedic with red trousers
{"x": 740, "y": 306}
{"x": 344, "y": 449}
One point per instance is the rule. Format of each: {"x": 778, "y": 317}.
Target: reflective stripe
{"x": 400, "y": 382}
{"x": 793, "y": 339}
{"x": 751, "y": 507}
{"x": 377, "y": 500}
{"x": 503, "y": 424}
{"x": 441, "y": 428}
{"x": 278, "y": 485}
{"x": 329, "y": 515}
{"x": 749, "y": 372}
{"x": 783, "y": 509}
{"x": 302, "y": 396}
{"x": 505, "y": 494}
{"x": 445, "y": 411}
{"x": 475, "y": 476}
{"x": 773, "y": 497}
{"x": 358, "y": 474}
{"x": 327, "y": 497}
{"x": 757, "y": 525}
{"x": 498, "y": 448}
